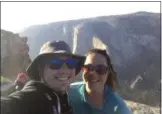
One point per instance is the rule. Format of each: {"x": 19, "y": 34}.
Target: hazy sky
{"x": 15, "y": 16}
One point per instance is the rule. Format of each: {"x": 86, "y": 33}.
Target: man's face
{"x": 59, "y": 73}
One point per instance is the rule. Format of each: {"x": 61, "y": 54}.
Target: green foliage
{"x": 5, "y": 80}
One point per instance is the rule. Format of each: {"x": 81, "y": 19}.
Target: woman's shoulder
{"x": 76, "y": 89}
{"x": 76, "y": 93}
{"x": 117, "y": 102}
{"x": 112, "y": 95}
{"x": 76, "y": 85}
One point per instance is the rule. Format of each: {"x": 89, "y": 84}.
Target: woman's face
{"x": 95, "y": 72}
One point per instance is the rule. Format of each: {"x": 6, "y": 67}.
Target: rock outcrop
{"x": 138, "y": 108}
{"x": 14, "y": 54}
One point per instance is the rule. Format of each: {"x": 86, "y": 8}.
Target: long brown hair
{"x": 112, "y": 77}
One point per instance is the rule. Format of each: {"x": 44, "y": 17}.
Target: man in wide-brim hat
{"x": 51, "y": 73}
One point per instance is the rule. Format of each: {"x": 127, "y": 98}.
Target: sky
{"x": 16, "y": 16}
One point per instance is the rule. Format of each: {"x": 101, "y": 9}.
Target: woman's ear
{"x": 109, "y": 71}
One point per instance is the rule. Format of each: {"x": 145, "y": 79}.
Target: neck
{"x": 61, "y": 92}
{"x": 58, "y": 91}
{"x": 96, "y": 97}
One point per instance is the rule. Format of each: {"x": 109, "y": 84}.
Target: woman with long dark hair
{"x": 96, "y": 94}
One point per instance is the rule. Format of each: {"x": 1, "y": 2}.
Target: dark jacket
{"x": 35, "y": 98}
{"x": 19, "y": 85}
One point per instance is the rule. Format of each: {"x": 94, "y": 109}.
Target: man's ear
{"x": 40, "y": 69}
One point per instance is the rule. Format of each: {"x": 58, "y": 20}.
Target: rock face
{"x": 14, "y": 54}
{"x": 132, "y": 40}
{"x": 134, "y": 45}
{"x": 138, "y": 108}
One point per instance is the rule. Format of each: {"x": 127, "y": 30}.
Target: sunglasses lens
{"x": 55, "y": 66}
{"x": 87, "y": 68}
{"x": 72, "y": 63}
{"x": 57, "y": 63}
{"x": 101, "y": 69}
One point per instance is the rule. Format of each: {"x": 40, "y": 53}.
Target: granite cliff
{"x": 14, "y": 54}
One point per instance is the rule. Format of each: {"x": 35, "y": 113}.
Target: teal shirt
{"x": 113, "y": 103}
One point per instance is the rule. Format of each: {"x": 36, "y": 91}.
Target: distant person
{"x": 20, "y": 81}
{"x": 51, "y": 74}
{"x": 18, "y": 84}
{"x": 96, "y": 94}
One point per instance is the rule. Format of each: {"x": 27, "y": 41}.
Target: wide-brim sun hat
{"x": 52, "y": 49}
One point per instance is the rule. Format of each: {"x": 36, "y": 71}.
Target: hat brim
{"x": 32, "y": 69}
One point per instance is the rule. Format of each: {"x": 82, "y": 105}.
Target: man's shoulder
{"x": 30, "y": 96}
{"x": 31, "y": 90}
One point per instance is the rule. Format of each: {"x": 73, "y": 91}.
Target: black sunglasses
{"x": 100, "y": 69}
{"x": 57, "y": 63}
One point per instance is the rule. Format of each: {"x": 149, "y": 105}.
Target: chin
{"x": 63, "y": 90}
{"x": 92, "y": 88}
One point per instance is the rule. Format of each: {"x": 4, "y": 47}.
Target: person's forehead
{"x": 63, "y": 57}
{"x": 95, "y": 58}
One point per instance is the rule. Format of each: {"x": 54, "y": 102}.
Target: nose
{"x": 92, "y": 73}
{"x": 64, "y": 66}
